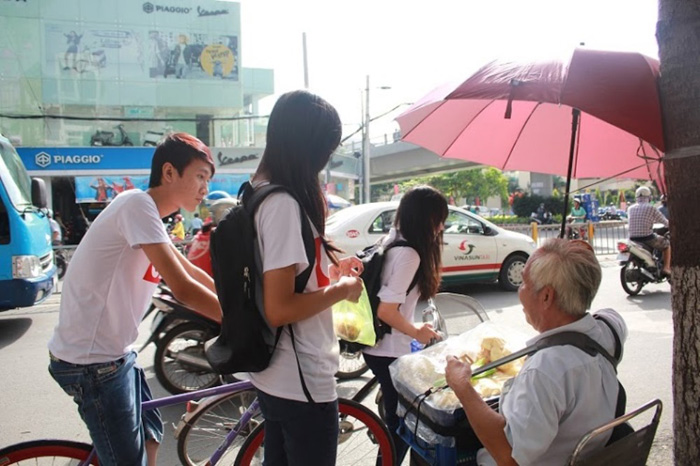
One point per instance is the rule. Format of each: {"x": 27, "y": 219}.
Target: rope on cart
{"x": 423, "y": 396}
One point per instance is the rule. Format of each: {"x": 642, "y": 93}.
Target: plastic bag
{"x": 353, "y": 322}
{"x": 415, "y": 373}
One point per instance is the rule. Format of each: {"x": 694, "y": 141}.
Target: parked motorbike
{"x": 640, "y": 264}
{"x": 106, "y": 138}
{"x": 151, "y": 138}
{"x": 179, "y": 334}
{"x": 609, "y": 213}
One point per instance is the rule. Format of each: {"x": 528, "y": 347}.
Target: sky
{"x": 413, "y": 47}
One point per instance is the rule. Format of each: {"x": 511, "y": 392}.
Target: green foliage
{"x": 559, "y": 183}
{"x": 527, "y": 204}
{"x": 513, "y": 184}
{"x": 598, "y": 195}
{"x": 469, "y": 184}
{"x": 381, "y": 191}
{"x": 609, "y": 198}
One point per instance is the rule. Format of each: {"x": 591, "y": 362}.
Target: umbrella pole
{"x": 575, "y": 115}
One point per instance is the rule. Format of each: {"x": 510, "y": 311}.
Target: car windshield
{"x": 14, "y": 177}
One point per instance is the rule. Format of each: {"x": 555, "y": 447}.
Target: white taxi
{"x": 474, "y": 248}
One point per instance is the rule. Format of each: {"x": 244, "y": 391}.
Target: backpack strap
{"x": 251, "y": 199}
{"x": 618, "y": 343}
{"x": 590, "y": 346}
{"x": 402, "y": 243}
{"x": 579, "y": 340}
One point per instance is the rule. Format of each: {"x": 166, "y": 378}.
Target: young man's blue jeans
{"x": 109, "y": 397}
{"x": 298, "y": 433}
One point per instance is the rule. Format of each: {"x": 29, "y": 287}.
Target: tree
{"x": 469, "y": 184}
{"x": 679, "y": 85}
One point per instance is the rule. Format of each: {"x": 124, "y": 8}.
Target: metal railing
{"x": 604, "y": 237}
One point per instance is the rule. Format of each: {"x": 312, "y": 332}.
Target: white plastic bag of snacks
{"x": 416, "y": 373}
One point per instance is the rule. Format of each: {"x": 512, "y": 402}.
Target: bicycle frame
{"x": 184, "y": 397}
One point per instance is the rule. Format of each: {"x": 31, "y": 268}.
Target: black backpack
{"x": 373, "y": 258}
{"x": 246, "y": 341}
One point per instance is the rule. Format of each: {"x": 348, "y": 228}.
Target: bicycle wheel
{"x": 203, "y": 433}
{"x": 46, "y": 452}
{"x": 362, "y": 438}
{"x": 180, "y": 364}
{"x": 351, "y": 364}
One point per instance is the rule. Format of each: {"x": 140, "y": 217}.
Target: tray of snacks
{"x": 419, "y": 377}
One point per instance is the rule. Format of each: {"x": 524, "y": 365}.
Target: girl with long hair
{"x": 301, "y": 426}
{"x": 409, "y": 274}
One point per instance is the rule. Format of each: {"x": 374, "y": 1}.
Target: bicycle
{"x": 200, "y": 429}
{"x": 363, "y": 437}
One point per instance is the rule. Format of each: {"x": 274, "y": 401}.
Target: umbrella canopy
{"x": 518, "y": 116}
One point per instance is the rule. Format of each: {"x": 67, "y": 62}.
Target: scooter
{"x": 576, "y": 230}
{"x": 179, "y": 334}
{"x": 106, "y": 138}
{"x": 640, "y": 264}
{"x": 151, "y": 138}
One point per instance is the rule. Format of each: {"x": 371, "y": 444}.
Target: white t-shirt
{"x": 109, "y": 283}
{"x": 560, "y": 394}
{"x": 279, "y": 236}
{"x": 400, "y": 266}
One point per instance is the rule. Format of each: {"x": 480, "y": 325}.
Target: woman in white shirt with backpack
{"x": 409, "y": 274}
{"x": 297, "y": 391}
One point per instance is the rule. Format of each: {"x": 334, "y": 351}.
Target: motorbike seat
{"x": 644, "y": 251}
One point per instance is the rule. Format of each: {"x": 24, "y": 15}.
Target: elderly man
{"x": 642, "y": 217}
{"x": 561, "y": 392}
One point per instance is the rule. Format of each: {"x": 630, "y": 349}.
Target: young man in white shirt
{"x": 113, "y": 275}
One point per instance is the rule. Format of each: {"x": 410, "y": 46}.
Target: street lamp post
{"x": 366, "y": 150}
{"x": 366, "y": 176}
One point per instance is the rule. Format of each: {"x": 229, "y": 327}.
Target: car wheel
{"x": 511, "y": 275}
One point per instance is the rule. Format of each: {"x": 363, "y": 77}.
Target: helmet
{"x": 215, "y": 196}
{"x": 220, "y": 208}
{"x": 642, "y": 191}
{"x": 577, "y": 199}
{"x": 178, "y": 217}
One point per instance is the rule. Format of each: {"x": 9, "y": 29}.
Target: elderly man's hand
{"x": 458, "y": 372}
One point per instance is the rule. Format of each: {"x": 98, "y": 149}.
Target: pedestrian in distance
{"x": 409, "y": 274}
{"x": 196, "y": 224}
{"x": 302, "y": 133}
{"x": 106, "y": 291}
{"x": 177, "y": 233}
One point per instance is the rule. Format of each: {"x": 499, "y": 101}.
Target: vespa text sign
{"x": 52, "y": 159}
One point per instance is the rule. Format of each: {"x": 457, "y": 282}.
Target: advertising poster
{"x": 138, "y": 53}
{"x": 89, "y": 189}
{"x": 104, "y": 188}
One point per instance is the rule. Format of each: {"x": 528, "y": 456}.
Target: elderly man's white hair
{"x": 571, "y": 268}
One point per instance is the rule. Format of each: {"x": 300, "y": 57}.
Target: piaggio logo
{"x": 149, "y": 7}
{"x": 42, "y": 159}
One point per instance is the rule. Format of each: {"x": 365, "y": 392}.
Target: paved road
{"x": 34, "y": 407}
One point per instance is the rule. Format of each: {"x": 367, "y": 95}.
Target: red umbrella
{"x": 593, "y": 114}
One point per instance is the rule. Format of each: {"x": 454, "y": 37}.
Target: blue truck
{"x": 27, "y": 270}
